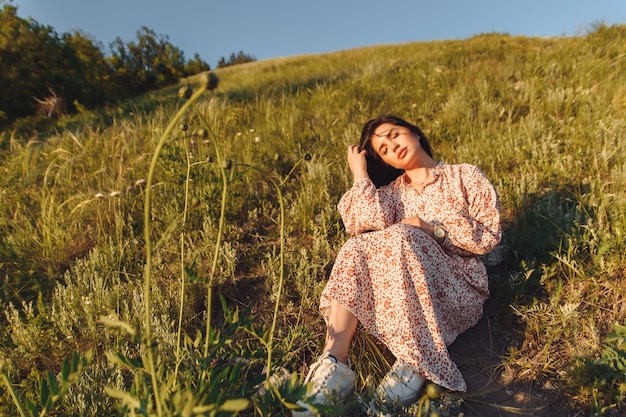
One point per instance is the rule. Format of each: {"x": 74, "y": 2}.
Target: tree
{"x": 29, "y": 62}
{"x": 195, "y": 66}
{"x": 42, "y": 71}
{"x": 149, "y": 63}
{"x": 239, "y": 58}
{"x": 91, "y": 79}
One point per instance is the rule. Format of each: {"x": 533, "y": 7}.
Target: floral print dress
{"x": 412, "y": 293}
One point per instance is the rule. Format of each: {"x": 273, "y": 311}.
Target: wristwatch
{"x": 439, "y": 233}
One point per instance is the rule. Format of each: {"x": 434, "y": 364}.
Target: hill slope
{"x": 543, "y": 118}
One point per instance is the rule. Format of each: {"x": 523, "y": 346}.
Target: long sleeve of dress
{"x": 362, "y": 208}
{"x": 473, "y": 225}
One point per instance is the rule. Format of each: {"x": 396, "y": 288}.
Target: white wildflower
{"x": 140, "y": 181}
{"x": 114, "y": 194}
{"x": 99, "y": 195}
{"x": 257, "y": 139}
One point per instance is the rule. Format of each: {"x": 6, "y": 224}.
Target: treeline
{"x": 42, "y": 71}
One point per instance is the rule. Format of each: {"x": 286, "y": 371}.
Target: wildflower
{"x": 227, "y": 164}
{"x": 185, "y": 92}
{"x": 99, "y": 195}
{"x": 202, "y": 133}
{"x": 114, "y": 194}
{"x": 210, "y": 80}
{"x": 239, "y": 134}
{"x": 184, "y": 127}
{"x": 308, "y": 156}
{"x": 251, "y": 130}
{"x": 140, "y": 182}
{"x": 257, "y": 139}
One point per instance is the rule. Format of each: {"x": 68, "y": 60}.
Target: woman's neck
{"x": 422, "y": 172}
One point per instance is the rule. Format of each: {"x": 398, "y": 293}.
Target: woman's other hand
{"x": 357, "y": 162}
{"x": 417, "y": 222}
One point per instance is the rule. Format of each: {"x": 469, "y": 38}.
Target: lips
{"x": 401, "y": 153}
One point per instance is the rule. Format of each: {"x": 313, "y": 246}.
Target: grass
{"x": 228, "y": 209}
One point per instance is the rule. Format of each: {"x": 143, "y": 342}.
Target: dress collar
{"x": 435, "y": 173}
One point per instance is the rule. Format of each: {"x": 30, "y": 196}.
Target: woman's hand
{"x": 418, "y": 222}
{"x": 357, "y": 162}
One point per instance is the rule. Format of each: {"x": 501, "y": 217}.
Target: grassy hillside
{"x": 126, "y": 232}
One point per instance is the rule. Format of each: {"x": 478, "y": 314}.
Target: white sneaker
{"x": 329, "y": 379}
{"x": 400, "y": 386}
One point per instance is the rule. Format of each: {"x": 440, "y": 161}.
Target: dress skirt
{"x": 411, "y": 295}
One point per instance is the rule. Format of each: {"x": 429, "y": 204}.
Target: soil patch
{"x": 480, "y": 354}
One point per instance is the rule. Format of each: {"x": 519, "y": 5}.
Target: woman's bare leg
{"x": 341, "y": 327}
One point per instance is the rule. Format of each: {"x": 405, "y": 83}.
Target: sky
{"x": 268, "y": 29}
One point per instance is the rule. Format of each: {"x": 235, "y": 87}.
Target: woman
{"x": 410, "y": 273}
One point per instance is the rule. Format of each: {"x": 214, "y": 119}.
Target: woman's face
{"x": 396, "y": 145}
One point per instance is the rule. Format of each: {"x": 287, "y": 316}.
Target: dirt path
{"x": 480, "y": 354}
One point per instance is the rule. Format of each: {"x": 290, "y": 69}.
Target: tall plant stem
{"x": 11, "y": 390}
{"x": 218, "y": 242}
{"x": 281, "y": 278}
{"x": 218, "y": 239}
{"x": 148, "y": 244}
{"x": 182, "y": 265}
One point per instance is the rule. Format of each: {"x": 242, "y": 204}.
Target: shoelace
{"x": 318, "y": 385}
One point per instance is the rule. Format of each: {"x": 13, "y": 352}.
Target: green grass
{"x": 544, "y": 119}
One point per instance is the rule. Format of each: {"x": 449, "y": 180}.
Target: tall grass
{"x": 118, "y": 236}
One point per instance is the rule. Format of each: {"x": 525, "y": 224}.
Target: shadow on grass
{"x": 541, "y": 223}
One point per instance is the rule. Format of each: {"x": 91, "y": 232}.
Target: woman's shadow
{"x": 482, "y": 352}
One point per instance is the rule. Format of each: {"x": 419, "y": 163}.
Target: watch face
{"x": 439, "y": 232}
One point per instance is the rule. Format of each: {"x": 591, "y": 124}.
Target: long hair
{"x": 379, "y": 171}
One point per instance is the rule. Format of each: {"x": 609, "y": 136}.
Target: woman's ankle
{"x": 338, "y": 357}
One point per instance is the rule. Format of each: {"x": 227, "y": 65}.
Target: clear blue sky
{"x": 274, "y": 28}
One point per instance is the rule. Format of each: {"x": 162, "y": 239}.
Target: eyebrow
{"x": 384, "y": 134}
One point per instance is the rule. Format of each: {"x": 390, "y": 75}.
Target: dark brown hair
{"x": 379, "y": 171}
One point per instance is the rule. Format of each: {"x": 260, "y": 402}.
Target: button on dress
{"x": 414, "y": 294}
